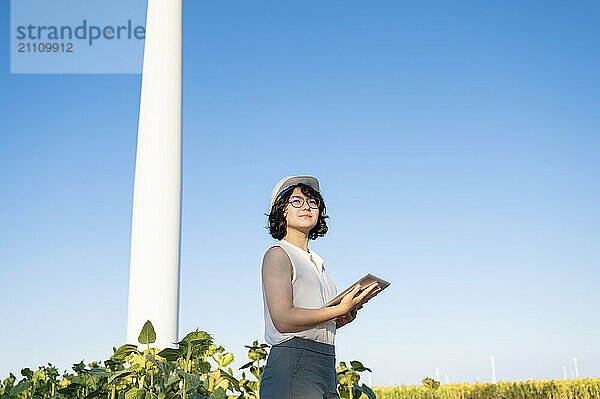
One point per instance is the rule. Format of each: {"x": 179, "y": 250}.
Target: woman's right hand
{"x": 349, "y": 300}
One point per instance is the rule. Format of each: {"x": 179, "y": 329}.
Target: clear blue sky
{"x": 458, "y": 152}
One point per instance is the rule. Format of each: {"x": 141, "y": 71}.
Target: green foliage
{"x": 195, "y": 369}
{"x": 348, "y": 379}
{"x": 256, "y": 354}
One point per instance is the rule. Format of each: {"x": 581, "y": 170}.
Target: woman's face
{"x": 303, "y": 218}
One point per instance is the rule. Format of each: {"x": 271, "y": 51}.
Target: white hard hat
{"x": 290, "y": 181}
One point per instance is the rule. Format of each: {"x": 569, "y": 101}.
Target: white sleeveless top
{"x": 311, "y": 288}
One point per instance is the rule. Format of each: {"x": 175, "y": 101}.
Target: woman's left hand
{"x": 347, "y": 317}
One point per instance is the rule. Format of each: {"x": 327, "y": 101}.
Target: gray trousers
{"x": 299, "y": 369}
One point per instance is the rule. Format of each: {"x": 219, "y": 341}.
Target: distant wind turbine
{"x": 493, "y": 369}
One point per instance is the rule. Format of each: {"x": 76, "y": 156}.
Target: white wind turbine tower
{"x": 493, "y": 369}
{"x": 156, "y": 219}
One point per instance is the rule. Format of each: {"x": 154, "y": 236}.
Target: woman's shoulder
{"x": 275, "y": 248}
{"x": 274, "y": 253}
{"x": 276, "y": 259}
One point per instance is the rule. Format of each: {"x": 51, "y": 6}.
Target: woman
{"x": 301, "y": 330}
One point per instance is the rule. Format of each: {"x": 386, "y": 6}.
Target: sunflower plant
{"x": 195, "y": 369}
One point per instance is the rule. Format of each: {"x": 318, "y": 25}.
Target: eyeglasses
{"x": 298, "y": 202}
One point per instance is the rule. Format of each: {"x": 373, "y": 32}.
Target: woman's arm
{"x": 277, "y": 280}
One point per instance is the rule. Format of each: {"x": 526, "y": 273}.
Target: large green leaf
{"x": 245, "y": 366}
{"x": 147, "y": 335}
{"x": 197, "y": 342}
{"x": 195, "y": 335}
{"x": 196, "y": 345}
{"x": 124, "y": 351}
{"x": 358, "y": 366}
{"x": 171, "y": 354}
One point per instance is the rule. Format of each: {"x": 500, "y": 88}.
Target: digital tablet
{"x": 364, "y": 281}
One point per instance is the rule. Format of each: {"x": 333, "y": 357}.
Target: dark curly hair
{"x": 277, "y": 223}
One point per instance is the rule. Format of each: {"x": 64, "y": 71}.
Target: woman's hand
{"x": 347, "y": 317}
{"x": 349, "y": 300}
